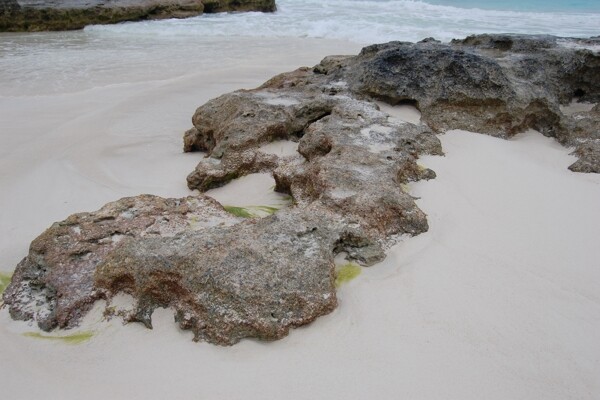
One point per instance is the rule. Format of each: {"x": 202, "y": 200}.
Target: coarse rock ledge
{"x": 228, "y": 278}
{"x": 61, "y": 15}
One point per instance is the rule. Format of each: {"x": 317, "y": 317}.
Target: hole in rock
{"x": 251, "y": 196}
{"x": 164, "y": 324}
{"x": 320, "y": 115}
{"x": 281, "y": 148}
{"x": 405, "y": 111}
{"x": 576, "y": 107}
{"x": 122, "y": 304}
{"x": 345, "y": 270}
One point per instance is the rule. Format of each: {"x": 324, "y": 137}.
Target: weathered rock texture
{"x": 229, "y": 278}
{"x": 8, "y": 5}
{"x": 54, "y": 15}
{"x": 55, "y": 284}
{"x": 254, "y": 279}
{"x": 495, "y": 84}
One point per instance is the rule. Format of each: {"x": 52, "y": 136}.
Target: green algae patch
{"x": 287, "y": 199}
{"x": 4, "y": 281}
{"x": 265, "y": 209}
{"x": 239, "y": 211}
{"x": 251, "y": 211}
{"x": 76, "y": 338}
{"x": 345, "y": 273}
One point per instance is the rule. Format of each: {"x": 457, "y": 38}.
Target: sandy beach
{"x": 499, "y": 300}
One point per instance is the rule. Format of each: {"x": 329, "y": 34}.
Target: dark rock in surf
{"x": 60, "y": 15}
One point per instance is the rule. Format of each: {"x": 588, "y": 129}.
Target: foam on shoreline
{"x": 377, "y": 21}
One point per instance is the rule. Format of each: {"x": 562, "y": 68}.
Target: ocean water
{"x": 369, "y": 21}
{"x": 525, "y": 5}
{"x": 41, "y": 63}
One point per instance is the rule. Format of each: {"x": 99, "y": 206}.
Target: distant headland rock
{"x": 59, "y": 15}
{"x": 226, "y": 277}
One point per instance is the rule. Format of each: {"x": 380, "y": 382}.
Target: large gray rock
{"x": 54, "y": 284}
{"x": 354, "y": 157}
{"x": 229, "y": 278}
{"x": 256, "y": 279}
{"x": 495, "y": 84}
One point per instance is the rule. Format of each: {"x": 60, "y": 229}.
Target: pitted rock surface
{"x": 495, "y": 84}
{"x": 54, "y": 285}
{"x": 229, "y": 278}
{"x": 256, "y": 279}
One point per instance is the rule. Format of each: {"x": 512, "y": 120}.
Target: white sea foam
{"x": 366, "y": 21}
{"x": 140, "y": 52}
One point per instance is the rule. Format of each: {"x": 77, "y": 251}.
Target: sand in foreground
{"x": 500, "y": 299}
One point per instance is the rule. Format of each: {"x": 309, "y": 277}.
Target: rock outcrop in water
{"x": 58, "y": 15}
{"x": 229, "y": 278}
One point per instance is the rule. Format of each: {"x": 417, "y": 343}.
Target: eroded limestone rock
{"x": 228, "y": 278}
{"x": 258, "y": 278}
{"x": 494, "y": 84}
{"x": 352, "y": 157}
{"x": 54, "y": 284}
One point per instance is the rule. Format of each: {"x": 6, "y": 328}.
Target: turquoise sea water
{"x": 525, "y": 5}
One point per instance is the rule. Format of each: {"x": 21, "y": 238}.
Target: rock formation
{"x": 229, "y": 278}
{"x": 494, "y": 84}
{"x": 8, "y": 6}
{"x": 56, "y": 15}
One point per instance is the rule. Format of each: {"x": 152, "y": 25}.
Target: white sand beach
{"x": 499, "y": 300}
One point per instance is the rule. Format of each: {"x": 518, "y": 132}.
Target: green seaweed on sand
{"x": 239, "y": 211}
{"x": 251, "y": 211}
{"x": 345, "y": 273}
{"x": 4, "y": 281}
{"x": 75, "y": 338}
{"x": 286, "y": 200}
{"x": 266, "y": 209}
